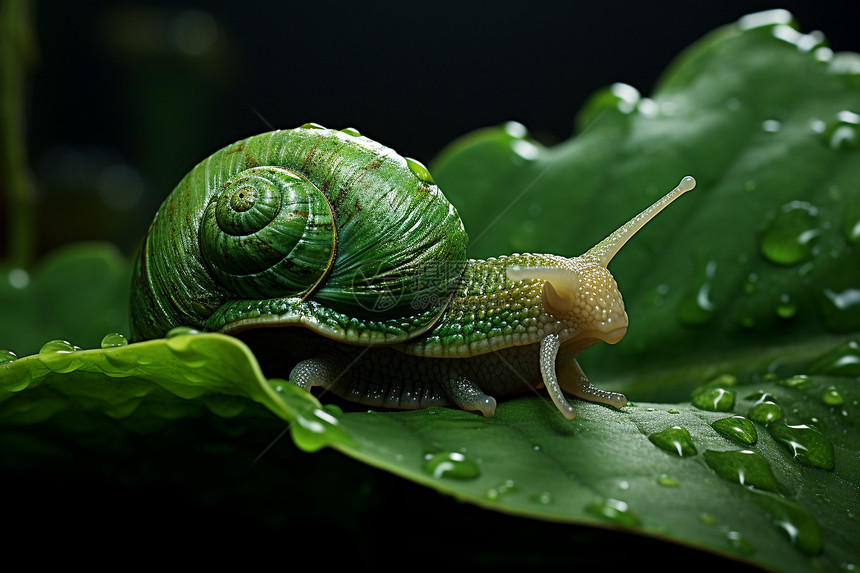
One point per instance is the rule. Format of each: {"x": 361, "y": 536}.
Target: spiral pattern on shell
{"x": 268, "y": 232}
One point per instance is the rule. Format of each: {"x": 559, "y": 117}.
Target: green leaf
{"x": 710, "y": 476}
{"x": 741, "y": 358}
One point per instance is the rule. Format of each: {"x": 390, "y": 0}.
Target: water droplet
{"x": 18, "y": 278}
{"x": 840, "y": 309}
{"x": 851, "y": 223}
{"x": 618, "y": 97}
{"x": 312, "y": 125}
{"x": 807, "y": 444}
{"x": 675, "y": 440}
{"x": 842, "y": 131}
{"x": 515, "y": 129}
{"x": 785, "y": 306}
{"x": 698, "y": 306}
{"x": 59, "y": 356}
{"x": 113, "y": 340}
{"x": 844, "y": 360}
{"x": 181, "y": 331}
{"x": 831, "y": 397}
{"x": 740, "y": 543}
{"x": 419, "y": 170}
{"x": 804, "y": 42}
{"x": 183, "y": 346}
{"x": 765, "y": 413}
{"x": 543, "y": 497}
{"x": 315, "y": 428}
{"x": 666, "y": 480}
{"x": 451, "y": 465}
{"x": 7, "y": 356}
{"x": 796, "y": 382}
{"x": 501, "y": 489}
{"x": 771, "y": 125}
{"x": 845, "y": 64}
{"x": 765, "y": 18}
{"x": 615, "y": 511}
{"x": 351, "y": 131}
{"x": 793, "y": 520}
{"x": 714, "y": 399}
{"x": 736, "y": 428}
{"x": 789, "y": 235}
{"x": 761, "y": 397}
{"x": 744, "y": 467}
{"x": 627, "y": 97}
{"x": 525, "y": 149}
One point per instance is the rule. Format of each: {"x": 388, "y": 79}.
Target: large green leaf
{"x": 751, "y": 471}
{"x": 743, "y": 294}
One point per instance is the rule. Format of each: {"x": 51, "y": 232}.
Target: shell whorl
{"x": 269, "y": 232}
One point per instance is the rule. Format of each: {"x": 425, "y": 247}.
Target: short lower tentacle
{"x": 574, "y": 381}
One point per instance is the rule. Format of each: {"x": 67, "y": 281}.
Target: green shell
{"x": 312, "y": 227}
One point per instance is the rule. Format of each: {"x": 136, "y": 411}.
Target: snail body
{"x": 346, "y": 263}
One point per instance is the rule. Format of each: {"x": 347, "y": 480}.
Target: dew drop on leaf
{"x": 698, "y": 307}
{"x": 844, "y": 360}
{"x": 808, "y": 445}
{"x": 543, "y": 497}
{"x": 785, "y": 306}
{"x": 796, "y": 382}
{"x": 315, "y": 428}
{"x": 840, "y": 308}
{"x": 7, "y": 356}
{"x": 765, "y": 413}
{"x": 842, "y": 131}
{"x": 851, "y": 223}
{"x": 743, "y": 467}
{"x": 788, "y": 237}
{"x": 59, "y": 356}
{"x": 793, "y": 520}
{"x": 831, "y": 397}
{"x": 506, "y": 486}
{"x": 451, "y": 465}
{"x": 675, "y": 440}
{"x": 183, "y": 347}
{"x": 614, "y": 510}
{"x": 714, "y": 399}
{"x": 736, "y": 428}
{"x": 180, "y": 331}
{"x": 771, "y": 125}
{"x": 113, "y": 340}
{"x": 739, "y": 542}
{"x": 419, "y": 170}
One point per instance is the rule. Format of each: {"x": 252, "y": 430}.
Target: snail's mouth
{"x": 614, "y": 336}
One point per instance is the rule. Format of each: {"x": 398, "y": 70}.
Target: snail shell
{"x": 291, "y": 217}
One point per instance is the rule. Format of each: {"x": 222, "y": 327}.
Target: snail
{"x": 343, "y": 262}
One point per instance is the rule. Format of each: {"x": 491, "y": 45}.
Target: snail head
{"x": 581, "y": 290}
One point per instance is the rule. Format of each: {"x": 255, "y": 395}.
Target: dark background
{"x": 125, "y": 97}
